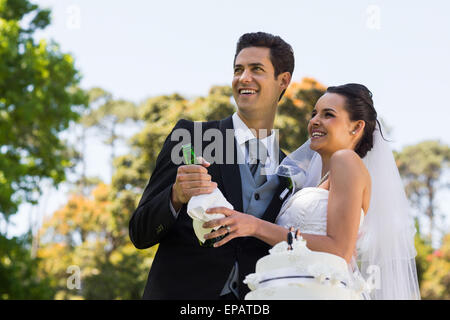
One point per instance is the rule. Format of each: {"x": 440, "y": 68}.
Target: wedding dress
{"x": 306, "y": 210}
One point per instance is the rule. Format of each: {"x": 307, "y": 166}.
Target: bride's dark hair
{"x": 359, "y": 105}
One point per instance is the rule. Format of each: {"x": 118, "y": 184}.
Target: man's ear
{"x": 285, "y": 78}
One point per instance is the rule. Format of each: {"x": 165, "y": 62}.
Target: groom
{"x": 182, "y": 269}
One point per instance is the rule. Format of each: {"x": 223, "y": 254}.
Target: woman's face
{"x": 330, "y": 128}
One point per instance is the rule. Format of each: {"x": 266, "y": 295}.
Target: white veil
{"x": 385, "y": 247}
{"x": 303, "y": 167}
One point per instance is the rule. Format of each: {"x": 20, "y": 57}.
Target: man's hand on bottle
{"x": 191, "y": 180}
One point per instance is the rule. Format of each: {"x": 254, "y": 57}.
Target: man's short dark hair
{"x": 281, "y": 53}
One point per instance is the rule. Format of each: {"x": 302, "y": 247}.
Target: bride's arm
{"x": 345, "y": 197}
{"x": 347, "y": 184}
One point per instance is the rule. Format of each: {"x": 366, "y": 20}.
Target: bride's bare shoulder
{"x": 348, "y": 164}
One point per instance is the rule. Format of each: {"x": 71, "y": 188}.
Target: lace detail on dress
{"x": 307, "y": 210}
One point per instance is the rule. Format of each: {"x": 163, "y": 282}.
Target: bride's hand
{"x": 236, "y": 224}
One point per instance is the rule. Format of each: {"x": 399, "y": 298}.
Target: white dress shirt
{"x": 242, "y": 134}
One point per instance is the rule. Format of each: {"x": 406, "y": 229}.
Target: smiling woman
{"x": 359, "y": 106}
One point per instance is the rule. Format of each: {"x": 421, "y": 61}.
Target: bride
{"x": 357, "y": 211}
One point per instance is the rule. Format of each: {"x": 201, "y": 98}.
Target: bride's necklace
{"x": 324, "y": 178}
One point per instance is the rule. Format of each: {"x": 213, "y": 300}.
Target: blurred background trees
{"x": 422, "y": 167}
{"x": 424, "y": 170}
{"x": 39, "y": 98}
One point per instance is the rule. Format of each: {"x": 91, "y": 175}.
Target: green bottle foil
{"x": 188, "y": 154}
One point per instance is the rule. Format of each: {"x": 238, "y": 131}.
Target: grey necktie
{"x": 257, "y": 155}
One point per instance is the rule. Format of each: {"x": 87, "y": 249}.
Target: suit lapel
{"x": 231, "y": 176}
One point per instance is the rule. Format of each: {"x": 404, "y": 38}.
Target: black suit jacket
{"x": 182, "y": 269}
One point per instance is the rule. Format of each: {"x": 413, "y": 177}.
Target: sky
{"x": 138, "y": 49}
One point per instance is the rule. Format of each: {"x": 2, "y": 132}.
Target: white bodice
{"x": 307, "y": 210}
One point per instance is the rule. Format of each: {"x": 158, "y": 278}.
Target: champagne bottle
{"x": 190, "y": 158}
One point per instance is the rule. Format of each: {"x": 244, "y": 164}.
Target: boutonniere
{"x": 288, "y": 189}
{"x": 290, "y": 184}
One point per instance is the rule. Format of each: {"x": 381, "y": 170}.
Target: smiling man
{"x": 182, "y": 269}
{"x": 260, "y": 73}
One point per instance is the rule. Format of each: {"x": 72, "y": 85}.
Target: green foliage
{"x": 294, "y": 112}
{"x": 38, "y": 95}
{"x": 109, "y": 113}
{"x": 105, "y": 114}
{"x": 421, "y": 166}
{"x": 92, "y": 233}
{"x": 19, "y": 277}
{"x": 424, "y": 250}
{"x": 122, "y": 276}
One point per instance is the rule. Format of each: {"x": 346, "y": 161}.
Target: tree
{"x": 38, "y": 99}
{"x": 86, "y": 233}
{"x": 19, "y": 276}
{"x": 421, "y": 167}
{"x": 294, "y": 112}
{"x": 436, "y": 279}
{"x": 107, "y": 116}
{"x": 424, "y": 250}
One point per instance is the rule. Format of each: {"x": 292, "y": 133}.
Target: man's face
{"x": 255, "y": 88}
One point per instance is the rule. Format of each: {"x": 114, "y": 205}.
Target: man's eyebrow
{"x": 254, "y": 64}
